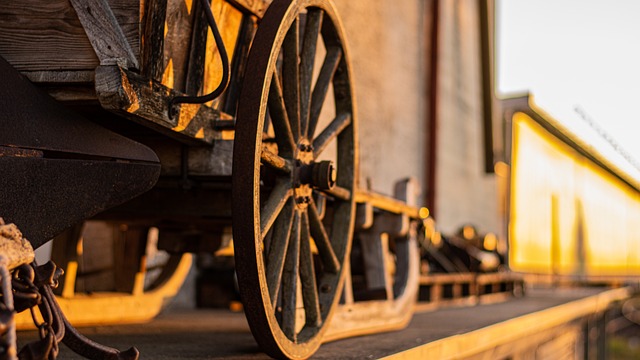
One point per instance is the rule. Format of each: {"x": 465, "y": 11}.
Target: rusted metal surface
{"x": 283, "y": 205}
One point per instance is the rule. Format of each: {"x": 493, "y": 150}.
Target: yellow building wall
{"x": 568, "y": 216}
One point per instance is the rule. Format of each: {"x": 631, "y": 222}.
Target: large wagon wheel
{"x": 293, "y": 208}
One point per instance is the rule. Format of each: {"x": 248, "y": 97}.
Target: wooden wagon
{"x": 249, "y": 107}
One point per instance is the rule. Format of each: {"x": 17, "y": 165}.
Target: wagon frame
{"x": 294, "y": 212}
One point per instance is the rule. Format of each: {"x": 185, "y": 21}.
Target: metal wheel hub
{"x": 309, "y": 175}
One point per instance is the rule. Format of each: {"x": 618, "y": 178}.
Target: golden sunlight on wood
{"x": 228, "y": 20}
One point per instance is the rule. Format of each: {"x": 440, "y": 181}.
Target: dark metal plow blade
{"x": 59, "y": 168}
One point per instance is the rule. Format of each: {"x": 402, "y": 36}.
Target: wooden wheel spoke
{"x": 279, "y": 117}
{"x": 278, "y": 249}
{"x": 291, "y": 251}
{"x": 320, "y": 201}
{"x": 290, "y": 280}
{"x": 321, "y": 88}
{"x": 319, "y": 234}
{"x": 307, "y": 60}
{"x": 274, "y": 204}
{"x": 291, "y": 78}
{"x": 330, "y": 133}
{"x": 308, "y": 277}
{"x": 274, "y": 161}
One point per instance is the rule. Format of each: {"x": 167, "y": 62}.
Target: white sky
{"x": 570, "y": 53}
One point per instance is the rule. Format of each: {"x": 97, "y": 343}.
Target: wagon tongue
{"x": 57, "y": 168}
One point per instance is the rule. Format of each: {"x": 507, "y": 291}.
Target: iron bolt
{"x": 305, "y": 148}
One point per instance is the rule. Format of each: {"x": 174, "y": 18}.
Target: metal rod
{"x": 224, "y": 82}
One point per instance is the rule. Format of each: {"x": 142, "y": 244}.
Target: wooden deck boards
{"x": 206, "y": 334}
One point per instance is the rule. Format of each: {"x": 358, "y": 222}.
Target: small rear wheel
{"x": 294, "y": 174}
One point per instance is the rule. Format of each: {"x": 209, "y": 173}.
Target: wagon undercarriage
{"x": 251, "y": 124}
{"x": 154, "y": 129}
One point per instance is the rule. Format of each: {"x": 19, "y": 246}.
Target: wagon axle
{"x": 321, "y": 175}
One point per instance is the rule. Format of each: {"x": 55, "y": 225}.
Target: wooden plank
{"x": 228, "y": 20}
{"x": 239, "y": 63}
{"x": 203, "y": 50}
{"x": 55, "y": 77}
{"x": 73, "y": 93}
{"x": 130, "y": 265}
{"x": 24, "y": 25}
{"x": 498, "y": 277}
{"x": 494, "y": 298}
{"x": 48, "y": 36}
{"x": 72, "y": 86}
{"x": 153, "y": 39}
{"x": 104, "y": 33}
{"x": 439, "y": 330}
{"x": 446, "y": 278}
{"x": 442, "y": 303}
{"x": 375, "y": 252}
{"x": 178, "y": 28}
{"x": 197, "y": 52}
{"x": 468, "y": 344}
{"x": 387, "y": 203}
{"x": 147, "y": 102}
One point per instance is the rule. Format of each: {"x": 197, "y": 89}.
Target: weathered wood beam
{"x": 179, "y": 27}
{"x": 48, "y": 36}
{"x": 153, "y": 39}
{"x": 197, "y": 52}
{"x": 239, "y": 63}
{"x": 386, "y": 203}
{"x": 147, "y": 102}
{"x": 105, "y": 34}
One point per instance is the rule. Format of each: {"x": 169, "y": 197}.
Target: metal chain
{"x": 7, "y": 300}
{"x": 26, "y": 282}
{"x": 25, "y": 292}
